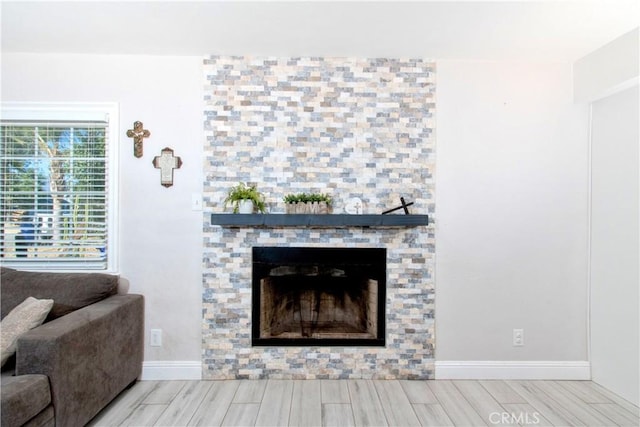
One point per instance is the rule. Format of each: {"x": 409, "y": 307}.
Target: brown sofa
{"x": 89, "y": 349}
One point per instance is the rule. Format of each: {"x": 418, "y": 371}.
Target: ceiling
{"x": 507, "y": 30}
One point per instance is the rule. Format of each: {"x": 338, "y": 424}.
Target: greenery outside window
{"x": 58, "y": 186}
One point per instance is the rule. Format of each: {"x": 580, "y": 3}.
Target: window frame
{"x": 109, "y": 112}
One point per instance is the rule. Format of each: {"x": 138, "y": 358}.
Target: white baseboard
{"x": 513, "y": 370}
{"x": 171, "y": 370}
{"x": 445, "y": 370}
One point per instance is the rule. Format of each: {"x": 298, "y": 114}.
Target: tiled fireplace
{"x": 353, "y": 128}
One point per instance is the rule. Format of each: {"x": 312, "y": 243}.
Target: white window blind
{"x": 55, "y": 202}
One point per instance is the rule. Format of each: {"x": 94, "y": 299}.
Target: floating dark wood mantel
{"x": 321, "y": 221}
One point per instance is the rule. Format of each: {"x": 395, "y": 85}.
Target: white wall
{"x": 611, "y": 68}
{"x": 511, "y": 215}
{"x": 160, "y": 236}
{"x": 511, "y": 206}
{"x": 609, "y": 77}
{"x": 615, "y": 330}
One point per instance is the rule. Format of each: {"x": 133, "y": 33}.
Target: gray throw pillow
{"x": 21, "y": 319}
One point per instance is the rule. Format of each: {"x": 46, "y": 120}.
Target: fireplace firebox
{"x": 318, "y": 296}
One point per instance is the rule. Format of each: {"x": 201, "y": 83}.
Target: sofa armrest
{"x": 89, "y": 355}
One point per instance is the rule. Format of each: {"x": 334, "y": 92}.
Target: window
{"x": 58, "y": 186}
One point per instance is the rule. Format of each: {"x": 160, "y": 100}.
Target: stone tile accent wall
{"x": 344, "y": 126}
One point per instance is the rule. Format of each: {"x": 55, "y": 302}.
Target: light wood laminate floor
{"x": 367, "y": 403}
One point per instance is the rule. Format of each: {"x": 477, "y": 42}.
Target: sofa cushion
{"x": 21, "y": 319}
{"x": 69, "y": 291}
{"x": 23, "y": 397}
{"x": 45, "y": 418}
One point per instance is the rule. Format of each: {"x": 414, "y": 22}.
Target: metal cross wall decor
{"x": 138, "y": 133}
{"x": 404, "y": 207}
{"x": 167, "y": 162}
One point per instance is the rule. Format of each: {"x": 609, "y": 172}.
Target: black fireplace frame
{"x": 265, "y": 257}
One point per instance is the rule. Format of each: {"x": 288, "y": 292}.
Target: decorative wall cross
{"x": 167, "y": 162}
{"x": 404, "y": 206}
{"x": 138, "y": 133}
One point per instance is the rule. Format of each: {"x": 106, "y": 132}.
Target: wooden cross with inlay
{"x": 166, "y": 162}
{"x": 138, "y": 133}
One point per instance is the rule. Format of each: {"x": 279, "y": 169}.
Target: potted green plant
{"x": 245, "y": 199}
{"x": 307, "y": 203}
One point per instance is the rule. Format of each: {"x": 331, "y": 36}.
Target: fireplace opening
{"x": 318, "y": 296}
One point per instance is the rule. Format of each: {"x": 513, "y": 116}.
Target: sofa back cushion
{"x": 69, "y": 291}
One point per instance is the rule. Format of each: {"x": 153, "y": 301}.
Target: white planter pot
{"x": 245, "y": 206}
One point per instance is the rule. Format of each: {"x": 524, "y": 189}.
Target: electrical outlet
{"x": 518, "y": 337}
{"x": 156, "y": 338}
